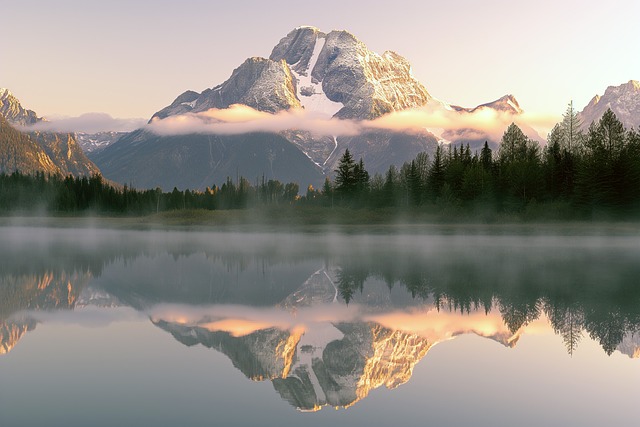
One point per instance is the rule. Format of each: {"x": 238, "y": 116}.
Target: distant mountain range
{"x": 330, "y": 74}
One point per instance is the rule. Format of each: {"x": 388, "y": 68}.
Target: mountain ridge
{"x": 623, "y": 100}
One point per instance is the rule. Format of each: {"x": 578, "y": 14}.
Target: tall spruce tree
{"x": 346, "y": 180}
{"x": 571, "y": 136}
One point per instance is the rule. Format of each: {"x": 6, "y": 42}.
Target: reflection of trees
{"x": 608, "y": 328}
{"x": 576, "y": 293}
{"x": 350, "y": 280}
{"x": 517, "y": 313}
{"x": 567, "y": 320}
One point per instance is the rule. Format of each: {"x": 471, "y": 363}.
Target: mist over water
{"x": 326, "y": 318}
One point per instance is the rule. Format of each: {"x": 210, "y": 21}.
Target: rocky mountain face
{"x": 339, "y": 67}
{"x": 36, "y": 151}
{"x": 623, "y": 100}
{"x": 260, "y": 83}
{"x": 19, "y": 152}
{"x": 65, "y": 152}
{"x": 13, "y": 112}
{"x": 12, "y": 331}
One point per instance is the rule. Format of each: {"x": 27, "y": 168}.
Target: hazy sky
{"x": 131, "y": 58}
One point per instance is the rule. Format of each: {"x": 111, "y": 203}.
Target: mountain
{"x": 623, "y": 100}
{"x": 332, "y": 75}
{"x": 12, "y": 111}
{"x": 36, "y": 151}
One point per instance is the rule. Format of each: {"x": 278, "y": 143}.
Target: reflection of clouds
{"x": 430, "y": 323}
{"x": 243, "y": 320}
{"x": 240, "y": 119}
{"x": 441, "y": 325}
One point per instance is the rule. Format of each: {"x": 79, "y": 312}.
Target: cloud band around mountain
{"x": 241, "y": 119}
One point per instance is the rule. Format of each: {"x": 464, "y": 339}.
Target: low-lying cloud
{"x": 241, "y": 119}
{"x": 88, "y": 122}
{"x": 483, "y": 123}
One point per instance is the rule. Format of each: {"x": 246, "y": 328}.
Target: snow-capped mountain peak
{"x": 623, "y": 100}
{"x": 367, "y": 84}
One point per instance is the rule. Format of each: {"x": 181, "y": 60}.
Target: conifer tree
{"x": 346, "y": 180}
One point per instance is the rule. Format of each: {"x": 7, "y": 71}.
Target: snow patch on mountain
{"x": 309, "y": 90}
{"x": 96, "y": 142}
{"x": 310, "y": 347}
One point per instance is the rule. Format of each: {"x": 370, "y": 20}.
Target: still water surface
{"x": 109, "y": 328}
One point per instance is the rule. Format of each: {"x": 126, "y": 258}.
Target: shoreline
{"x": 342, "y": 222}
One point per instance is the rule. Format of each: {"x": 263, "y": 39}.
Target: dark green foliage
{"x": 346, "y": 180}
{"x": 519, "y": 166}
{"x": 352, "y": 180}
{"x": 608, "y": 175}
{"x": 41, "y": 193}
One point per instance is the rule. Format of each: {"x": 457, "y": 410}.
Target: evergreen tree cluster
{"x": 593, "y": 174}
{"x": 40, "y": 193}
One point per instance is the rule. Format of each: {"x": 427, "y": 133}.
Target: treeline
{"x": 576, "y": 175}
{"x": 42, "y": 193}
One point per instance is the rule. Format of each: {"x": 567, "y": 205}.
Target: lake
{"x": 495, "y": 327}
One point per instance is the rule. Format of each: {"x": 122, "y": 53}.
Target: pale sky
{"x": 131, "y": 58}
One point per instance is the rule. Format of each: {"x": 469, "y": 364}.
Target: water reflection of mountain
{"x": 23, "y": 292}
{"x": 402, "y": 298}
{"x": 333, "y": 365}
